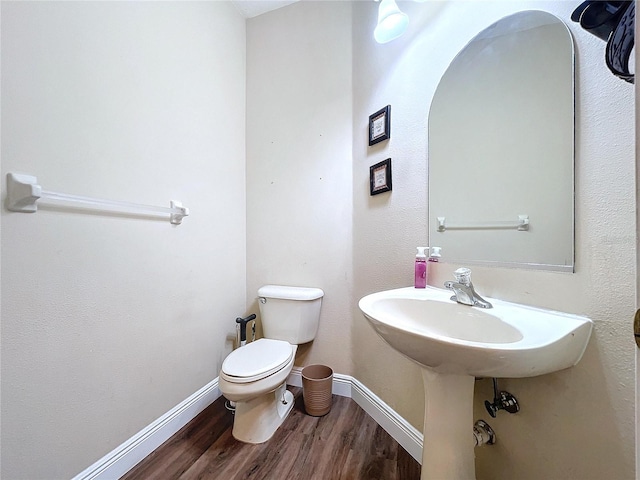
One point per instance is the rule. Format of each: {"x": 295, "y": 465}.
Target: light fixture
{"x": 391, "y": 22}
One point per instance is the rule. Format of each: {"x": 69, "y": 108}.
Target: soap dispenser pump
{"x": 421, "y": 268}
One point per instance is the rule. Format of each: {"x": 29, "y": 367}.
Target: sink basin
{"x": 455, "y": 343}
{"x": 508, "y": 340}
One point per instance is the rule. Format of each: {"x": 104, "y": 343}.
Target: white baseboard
{"x": 123, "y": 458}
{"x": 402, "y": 431}
{"x": 346, "y": 386}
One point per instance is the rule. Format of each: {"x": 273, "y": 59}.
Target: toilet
{"x": 254, "y": 376}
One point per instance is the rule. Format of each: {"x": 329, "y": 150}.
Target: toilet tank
{"x": 290, "y": 313}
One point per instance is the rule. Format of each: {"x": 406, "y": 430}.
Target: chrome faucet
{"x": 463, "y": 291}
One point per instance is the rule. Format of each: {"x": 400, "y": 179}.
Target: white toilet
{"x": 254, "y": 376}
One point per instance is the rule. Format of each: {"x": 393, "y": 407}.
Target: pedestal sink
{"x": 455, "y": 343}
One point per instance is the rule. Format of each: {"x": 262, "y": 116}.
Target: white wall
{"x": 574, "y": 424}
{"x": 110, "y": 321}
{"x": 299, "y": 140}
{"x": 637, "y": 102}
{"x": 107, "y": 322}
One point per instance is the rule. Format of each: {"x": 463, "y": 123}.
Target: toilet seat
{"x": 256, "y": 360}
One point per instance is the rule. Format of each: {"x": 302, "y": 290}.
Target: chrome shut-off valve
{"x": 501, "y": 401}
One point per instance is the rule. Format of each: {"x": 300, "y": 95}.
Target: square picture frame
{"x": 380, "y": 125}
{"x": 380, "y": 177}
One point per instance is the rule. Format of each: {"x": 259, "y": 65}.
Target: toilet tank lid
{"x": 290, "y": 293}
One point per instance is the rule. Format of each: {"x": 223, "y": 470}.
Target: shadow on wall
{"x": 558, "y": 418}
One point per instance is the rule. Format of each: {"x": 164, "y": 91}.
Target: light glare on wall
{"x": 391, "y": 22}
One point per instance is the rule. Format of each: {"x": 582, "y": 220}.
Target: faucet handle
{"x": 463, "y": 276}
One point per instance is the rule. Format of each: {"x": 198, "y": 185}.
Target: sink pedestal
{"x": 448, "y": 449}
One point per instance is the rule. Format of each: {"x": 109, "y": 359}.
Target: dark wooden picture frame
{"x": 380, "y": 177}
{"x": 380, "y": 125}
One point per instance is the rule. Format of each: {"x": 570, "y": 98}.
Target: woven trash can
{"x": 317, "y": 381}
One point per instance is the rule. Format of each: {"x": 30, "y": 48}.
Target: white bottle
{"x": 435, "y": 254}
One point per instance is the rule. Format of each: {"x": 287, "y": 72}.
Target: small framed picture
{"x": 380, "y": 125}
{"x": 380, "y": 177}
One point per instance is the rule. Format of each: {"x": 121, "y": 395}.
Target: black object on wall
{"x": 613, "y": 22}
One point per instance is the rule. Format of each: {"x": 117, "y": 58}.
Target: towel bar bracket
{"x": 176, "y": 218}
{"x": 23, "y": 192}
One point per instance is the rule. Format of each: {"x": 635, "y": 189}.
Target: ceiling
{"x": 253, "y": 8}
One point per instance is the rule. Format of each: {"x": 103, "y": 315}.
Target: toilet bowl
{"x": 254, "y": 376}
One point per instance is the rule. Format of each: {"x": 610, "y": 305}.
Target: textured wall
{"x": 110, "y": 321}
{"x": 637, "y": 91}
{"x": 107, "y": 322}
{"x": 574, "y": 424}
{"x": 587, "y": 410}
{"x": 299, "y": 164}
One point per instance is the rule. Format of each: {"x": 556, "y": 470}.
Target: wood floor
{"x": 344, "y": 444}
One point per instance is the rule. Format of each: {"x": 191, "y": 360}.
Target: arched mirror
{"x": 501, "y": 148}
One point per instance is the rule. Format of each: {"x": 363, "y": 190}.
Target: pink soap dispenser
{"x": 421, "y": 268}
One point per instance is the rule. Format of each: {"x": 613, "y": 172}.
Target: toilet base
{"x": 256, "y": 420}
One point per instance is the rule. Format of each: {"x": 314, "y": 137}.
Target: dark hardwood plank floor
{"x": 344, "y": 444}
